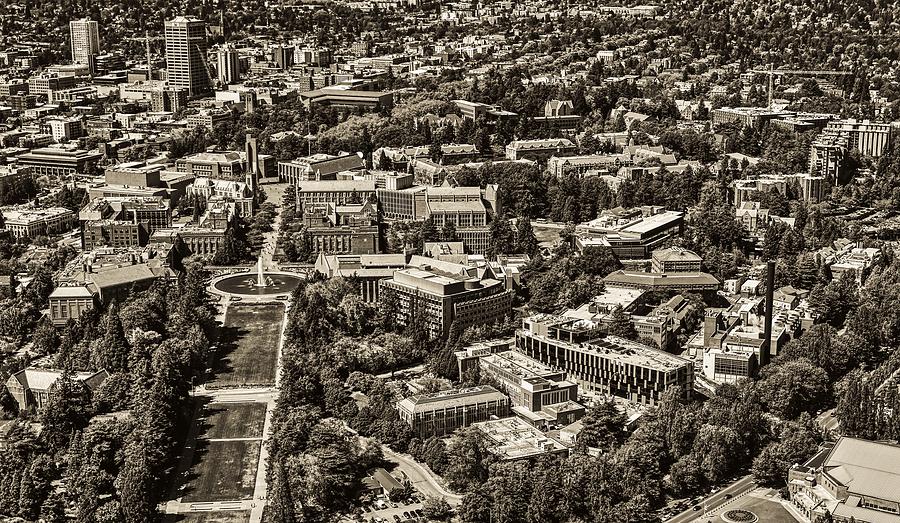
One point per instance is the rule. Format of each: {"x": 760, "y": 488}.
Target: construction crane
{"x": 771, "y": 71}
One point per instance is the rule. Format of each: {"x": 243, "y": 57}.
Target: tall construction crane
{"x": 771, "y": 71}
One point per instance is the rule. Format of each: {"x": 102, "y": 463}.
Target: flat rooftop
{"x": 519, "y": 364}
{"x": 447, "y": 399}
{"x": 513, "y": 438}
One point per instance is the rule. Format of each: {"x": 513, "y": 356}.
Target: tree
{"x": 468, "y": 460}
{"x": 796, "y": 445}
{"x": 448, "y": 232}
{"x": 502, "y": 240}
{"x": 65, "y": 412}
{"x": 789, "y": 388}
{"x": 428, "y": 232}
{"x": 436, "y": 509}
{"x": 111, "y": 351}
{"x": 602, "y": 427}
{"x": 620, "y": 324}
{"x": 135, "y": 486}
{"x": 526, "y": 241}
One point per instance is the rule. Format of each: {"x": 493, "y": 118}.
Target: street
{"x": 711, "y": 502}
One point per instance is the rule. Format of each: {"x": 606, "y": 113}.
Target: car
{"x": 729, "y": 496}
{"x": 406, "y": 514}
{"x": 396, "y": 518}
{"x": 696, "y": 508}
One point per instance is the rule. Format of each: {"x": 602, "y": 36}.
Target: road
{"x": 827, "y": 422}
{"x": 713, "y": 501}
{"x": 421, "y": 478}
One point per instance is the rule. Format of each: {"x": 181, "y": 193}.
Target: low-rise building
{"x": 539, "y": 150}
{"x": 367, "y": 269}
{"x": 608, "y": 365}
{"x": 445, "y": 293}
{"x": 528, "y": 382}
{"x": 31, "y": 223}
{"x": 511, "y": 439}
{"x": 33, "y": 387}
{"x": 852, "y": 480}
{"x": 441, "y": 413}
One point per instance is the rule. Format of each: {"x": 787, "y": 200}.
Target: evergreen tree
{"x": 502, "y": 238}
{"x": 448, "y": 232}
{"x": 526, "y": 242}
{"x": 620, "y": 324}
{"x": 429, "y": 232}
{"x": 135, "y": 486}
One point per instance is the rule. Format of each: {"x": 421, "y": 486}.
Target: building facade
{"x": 609, "y": 365}
{"x": 186, "y": 48}
{"x": 85, "y": 40}
{"x": 442, "y": 413}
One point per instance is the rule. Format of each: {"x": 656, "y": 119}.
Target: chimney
{"x": 765, "y": 350}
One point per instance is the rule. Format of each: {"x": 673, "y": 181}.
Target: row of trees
{"x": 116, "y": 470}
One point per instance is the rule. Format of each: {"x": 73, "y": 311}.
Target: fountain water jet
{"x": 261, "y": 280}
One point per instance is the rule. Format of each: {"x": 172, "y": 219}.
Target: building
{"x": 608, "y": 365}
{"x": 186, "y": 47}
{"x": 630, "y": 233}
{"x": 228, "y": 65}
{"x": 337, "y": 192}
{"x": 237, "y": 192}
{"x": 446, "y": 293}
{"x": 748, "y": 116}
{"x": 850, "y": 480}
{"x": 32, "y": 387}
{"x": 122, "y": 221}
{"x": 31, "y": 223}
{"x": 224, "y": 165}
{"x": 209, "y": 118}
{"x": 527, "y": 382}
{"x": 469, "y": 357}
{"x": 869, "y": 138}
{"x": 367, "y": 269}
{"x": 85, "y": 40}
{"x": 539, "y": 150}
{"x": 442, "y": 413}
{"x": 59, "y": 163}
{"x": 675, "y": 259}
{"x": 342, "y": 229}
{"x": 319, "y": 167}
{"x": 63, "y": 129}
{"x": 69, "y": 302}
{"x": 45, "y": 84}
{"x": 511, "y": 439}
{"x": 344, "y": 98}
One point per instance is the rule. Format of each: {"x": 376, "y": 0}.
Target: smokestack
{"x": 765, "y": 351}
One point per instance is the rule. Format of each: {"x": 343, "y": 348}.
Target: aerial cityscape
{"x": 397, "y": 261}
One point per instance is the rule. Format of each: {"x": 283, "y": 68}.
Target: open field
{"x": 236, "y": 516}
{"x": 248, "y": 346}
{"x": 234, "y": 420}
{"x": 223, "y": 471}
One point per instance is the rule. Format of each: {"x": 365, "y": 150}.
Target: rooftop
{"x": 448, "y": 399}
{"x": 513, "y": 438}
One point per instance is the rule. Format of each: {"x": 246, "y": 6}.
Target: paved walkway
{"x": 267, "y": 395}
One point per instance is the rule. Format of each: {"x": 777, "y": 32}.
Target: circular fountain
{"x": 260, "y": 284}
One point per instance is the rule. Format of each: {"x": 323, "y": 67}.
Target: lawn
{"x": 236, "y": 516}
{"x": 234, "y": 420}
{"x": 248, "y": 346}
{"x": 544, "y": 234}
{"x": 223, "y": 471}
{"x": 768, "y": 510}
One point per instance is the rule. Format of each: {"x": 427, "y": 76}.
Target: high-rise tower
{"x": 186, "y": 65}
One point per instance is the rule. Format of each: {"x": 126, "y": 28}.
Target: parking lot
{"x": 394, "y": 513}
